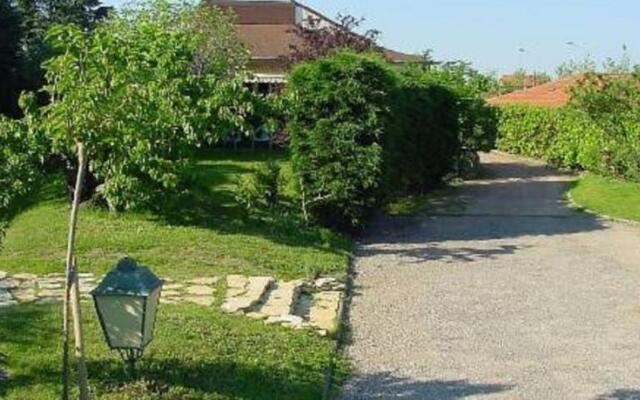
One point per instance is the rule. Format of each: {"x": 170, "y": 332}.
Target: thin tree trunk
{"x": 65, "y": 336}
{"x": 73, "y": 276}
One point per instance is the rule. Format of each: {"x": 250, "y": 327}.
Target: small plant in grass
{"x": 260, "y": 189}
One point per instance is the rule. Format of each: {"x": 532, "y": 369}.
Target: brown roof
{"x": 267, "y": 27}
{"x": 268, "y": 41}
{"x": 262, "y": 13}
{"x": 552, "y": 94}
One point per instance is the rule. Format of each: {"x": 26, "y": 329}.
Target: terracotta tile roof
{"x": 552, "y": 94}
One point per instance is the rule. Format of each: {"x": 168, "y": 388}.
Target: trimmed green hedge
{"x": 423, "y": 141}
{"x": 363, "y": 131}
{"x": 569, "y": 137}
{"x": 338, "y": 114}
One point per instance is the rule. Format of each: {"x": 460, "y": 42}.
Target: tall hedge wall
{"x": 362, "y": 131}
{"x": 338, "y": 114}
{"x": 573, "y": 138}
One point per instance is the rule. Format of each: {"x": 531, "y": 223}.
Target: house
{"x": 267, "y": 29}
{"x": 553, "y": 94}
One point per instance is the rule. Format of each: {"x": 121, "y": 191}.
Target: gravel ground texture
{"x": 516, "y": 297}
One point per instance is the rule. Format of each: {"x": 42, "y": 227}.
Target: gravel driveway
{"x": 516, "y": 297}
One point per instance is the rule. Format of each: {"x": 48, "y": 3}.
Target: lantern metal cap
{"x": 128, "y": 278}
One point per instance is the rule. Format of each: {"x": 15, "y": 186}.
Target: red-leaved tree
{"x": 318, "y": 37}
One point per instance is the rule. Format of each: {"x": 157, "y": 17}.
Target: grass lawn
{"x": 204, "y": 233}
{"x": 610, "y": 197}
{"x": 198, "y": 353}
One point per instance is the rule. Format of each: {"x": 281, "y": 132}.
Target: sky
{"x": 499, "y": 35}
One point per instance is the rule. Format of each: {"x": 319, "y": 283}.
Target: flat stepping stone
{"x": 52, "y": 293}
{"x": 211, "y": 281}
{"x": 5, "y": 296}
{"x": 282, "y": 299}
{"x": 324, "y": 311}
{"x": 25, "y": 277}
{"x": 87, "y": 289}
{"x": 170, "y": 293}
{"x": 200, "y": 290}
{"x": 244, "y": 293}
{"x": 172, "y": 286}
{"x": 50, "y": 284}
{"x": 2, "y": 275}
{"x": 24, "y": 295}
{"x": 293, "y": 321}
{"x": 9, "y": 284}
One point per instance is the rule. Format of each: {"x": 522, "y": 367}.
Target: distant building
{"x": 266, "y": 28}
{"x": 520, "y": 81}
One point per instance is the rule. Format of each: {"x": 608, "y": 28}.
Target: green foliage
{"x": 338, "y": 114}
{"x": 22, "y": 153}
{"x": 38, "y": 16}
{"x": 478, "y": 121}
{"x": 598, "y": 132}
{"x": 21, "y": 157}
{"x": 423, "y": 142}
{"x": 203, "y": 232}
{"x": 562, "y": 137}
{"x": 260, "y": 189}
{"x": 143, "y": 90}
{"x": 10, "y": 60}
{"x": 363, "y": 131}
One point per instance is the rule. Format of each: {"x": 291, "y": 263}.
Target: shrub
{"x": 21, "y": 155}
{"x": 338, "y": 114}
{"x": 570, "y": 137}
{"x": 261, "y": 188}
{"x": 424, "y": 141}
{"x": 478, "y": 120}
{"x": 362, "y": 131}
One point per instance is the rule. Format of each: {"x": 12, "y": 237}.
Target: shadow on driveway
{"x": 386, "y": 386}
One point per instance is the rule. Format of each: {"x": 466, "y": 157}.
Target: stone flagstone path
{"x": 297, "y": 304}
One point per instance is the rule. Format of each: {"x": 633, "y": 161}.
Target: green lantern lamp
{"x": 127, "y": 302}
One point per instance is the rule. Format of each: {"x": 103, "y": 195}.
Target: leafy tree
{"x": 38, "y": 16}
{"x": 576, "y": 67}
{"x": 140, "y": 97}
{"x": 131, "y": 100}
{"x": 10, "y": 36}
{"x": 317, "y": 38}
{"x": 477, "y": 120}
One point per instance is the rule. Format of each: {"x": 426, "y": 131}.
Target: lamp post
{"x": 126, "y": 302}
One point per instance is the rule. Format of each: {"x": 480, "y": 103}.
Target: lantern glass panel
{"x": 122, "y": 318}
{"x": 150, "y": 315}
